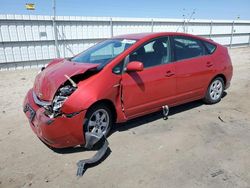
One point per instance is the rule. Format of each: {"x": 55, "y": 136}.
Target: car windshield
{"x": 104, "y": 52}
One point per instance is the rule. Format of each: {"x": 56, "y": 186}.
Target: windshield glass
{"x": 104, "y": 52}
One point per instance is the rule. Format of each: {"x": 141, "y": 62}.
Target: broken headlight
{"x": 60, "y": 97}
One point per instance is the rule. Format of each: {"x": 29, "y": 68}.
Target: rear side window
{"x": 186, "y": 47}
{"x": 210, "y": 47}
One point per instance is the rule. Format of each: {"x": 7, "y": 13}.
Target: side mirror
{"x": 135, "y": 66}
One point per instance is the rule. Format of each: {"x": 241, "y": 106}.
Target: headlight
{"x": 58, "y": 102}
{"x": 61, "y": 96}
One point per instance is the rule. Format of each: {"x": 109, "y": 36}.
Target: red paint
{"x": 148, "y": 90}
{"x": 62, "y": 132}
{"x": 50, "y": 79}
{"x": 144, "y": 90}
{"x": 135, "y": 66}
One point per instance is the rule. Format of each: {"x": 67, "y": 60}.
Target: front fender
{"x": 79, "y": 100}
{"x": 93, "y": 90}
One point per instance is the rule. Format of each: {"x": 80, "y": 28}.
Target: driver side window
{"x": 153, "y": 53}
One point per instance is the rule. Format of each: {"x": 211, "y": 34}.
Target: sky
{"x": 204, "y": 9}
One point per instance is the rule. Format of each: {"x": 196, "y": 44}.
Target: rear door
{"x": 153, "y": 87}
{"x": 193, "y": 66}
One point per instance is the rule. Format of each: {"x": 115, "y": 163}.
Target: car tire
{"x": 103, "y": 123}
{"x": 215, "y": 91}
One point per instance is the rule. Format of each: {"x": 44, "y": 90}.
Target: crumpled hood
{"x": 53, "y": 76}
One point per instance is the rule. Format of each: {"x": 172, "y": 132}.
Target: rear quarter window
{"x": 210, "y": 47}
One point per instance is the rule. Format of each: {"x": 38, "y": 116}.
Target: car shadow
{"x": 154, "y": 116}
{"x": 75, "y": 149}
{"x": 120, "y": 127}
{"x": 158, "y": 115}
{"x": 224, "y": 94}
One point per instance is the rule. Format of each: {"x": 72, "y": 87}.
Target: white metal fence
{"x": 28, "y": 40}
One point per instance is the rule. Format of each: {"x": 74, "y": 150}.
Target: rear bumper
{"x": 59, "y": 132}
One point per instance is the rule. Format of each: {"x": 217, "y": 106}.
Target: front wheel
{"x": 215, "y": 91}
{"x": 99, "y": 119}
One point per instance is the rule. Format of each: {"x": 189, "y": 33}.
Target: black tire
{"x": 92, "y": 110}
{"x": 212, "y": 98}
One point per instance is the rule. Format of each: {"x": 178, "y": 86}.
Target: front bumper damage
{"x": 59, "y": 132}
{"x": 63, "y": 131}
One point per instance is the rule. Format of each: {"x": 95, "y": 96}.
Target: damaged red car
{"x": 122, "y": 78}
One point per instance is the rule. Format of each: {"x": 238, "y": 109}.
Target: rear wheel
{"x": 99, "y": 119}
{"x": 215, "y": 91}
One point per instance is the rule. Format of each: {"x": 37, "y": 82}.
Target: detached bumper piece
{"x": 92, "y": 139}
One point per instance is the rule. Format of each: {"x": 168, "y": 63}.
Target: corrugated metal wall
{"x": 28, "y": 40}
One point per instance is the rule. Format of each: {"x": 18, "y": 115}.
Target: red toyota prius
{"x": 122, "y": 78}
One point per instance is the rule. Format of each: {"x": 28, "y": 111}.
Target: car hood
{"x": 53, "y": 76}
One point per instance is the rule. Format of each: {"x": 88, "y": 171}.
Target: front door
{"x": 148, "y": 90}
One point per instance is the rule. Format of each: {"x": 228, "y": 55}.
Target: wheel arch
{"x": 207, "y": 99}
{"x": 216, "y": 76}
{"x": 109, "y": 104}
{"x": 221, "y": 76}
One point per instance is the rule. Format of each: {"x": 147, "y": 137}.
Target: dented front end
{"x": 54, "y": 109}
{"x": 55, "y": 124}
{"x": 58, "y": 132}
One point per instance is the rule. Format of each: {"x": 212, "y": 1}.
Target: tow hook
{"x": 165, "y": 111}
{"x": 91, "y": 140}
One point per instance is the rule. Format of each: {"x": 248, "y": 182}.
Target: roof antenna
{"x": 185, "y": 20}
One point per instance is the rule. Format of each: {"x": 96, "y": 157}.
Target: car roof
{"x": 136, "y": 36}
{"x": 139, "y": 36}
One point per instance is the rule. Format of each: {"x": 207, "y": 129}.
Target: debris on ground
{"x": 221, "y": 119}
{"x": 217, "y": 173}
{"x": 92, "y": 139}
{"x": 46, "y": 180}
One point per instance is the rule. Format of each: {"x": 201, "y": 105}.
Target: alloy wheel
{"x": 98, "y": 122}
{"x": 216, "y": 89}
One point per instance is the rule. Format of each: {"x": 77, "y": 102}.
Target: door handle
{"x": 209, "y": 64}
{"x": 169, "y": 73}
